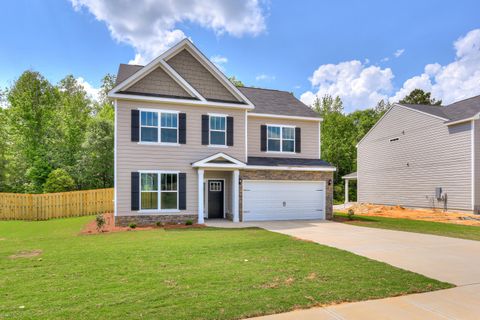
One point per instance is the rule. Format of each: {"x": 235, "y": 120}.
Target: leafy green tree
{"x": 236, "y": 82}
{"x": 95, "y": 166}
{"x": 73, "y": 114}
{"x": 3, "y": 150}
{"x": 31, "y": 129}
{"x": 418, "y": 96}
{"x": 59, "y": 181}
{"x": 327, "y": 104}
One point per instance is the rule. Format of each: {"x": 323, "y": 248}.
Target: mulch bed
{"x": 109, "y": 227}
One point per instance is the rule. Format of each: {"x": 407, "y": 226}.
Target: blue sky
{"x": 344, "y": 48}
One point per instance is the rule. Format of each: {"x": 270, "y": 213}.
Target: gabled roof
{"x": 452, "y": 113}
{"x": 219, "y": 160}
{"x": 276, "y": 102}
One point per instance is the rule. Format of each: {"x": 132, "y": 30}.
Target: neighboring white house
{"x": 423, "y": 156}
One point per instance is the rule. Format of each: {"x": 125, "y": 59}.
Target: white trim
{"x": 210, "y": 130}
{"x": 473, "y": 164}
{"x": 246, "y": 136}
{"x": 158, "y": 110}
{"x": 291, "y": 168}
{"x": 375, "y": 125}
{"x": 207, "y": 187}
{"x": 159, "y": 191}
{"x": 281, "y": 126}
{"x": 204, "y": 61}
{"x": 182, "y": 82}
{"x": 205, "y": 162}
{"x": 235, "y": 195}
{"x": 267, "y": 115}
{"x": 475, "y": 117}
{"x": 115, "y": 177}
{"x": 200, "y": 195}
{"x": 159, "y": 127}
{"x": 135, "y": 97}
{"x": 217, "y": 115}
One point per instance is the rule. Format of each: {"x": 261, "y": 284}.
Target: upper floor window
{"x": 280, "y": 139}
{"x": 218, "y": 132}
{"x": 151, "y": 131}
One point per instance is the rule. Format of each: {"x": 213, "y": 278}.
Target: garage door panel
{"x": 283, "y": 200}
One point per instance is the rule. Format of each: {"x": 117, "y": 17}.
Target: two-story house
{"x": 189, "y": 145}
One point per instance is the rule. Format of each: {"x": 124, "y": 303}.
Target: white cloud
{"x": 91, "y": 91}
{"x": 151, "y": 26}
{"x": 362, "y": 86}
{"x": 219, "y": 61}
{"x": 457, "y": 80}
{"x": 359, "y": 85}
{"x": 398, "y": 53}
{"x": 264, "y": 77}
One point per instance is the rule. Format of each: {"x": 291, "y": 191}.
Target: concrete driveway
{"x": 451, "y": 260}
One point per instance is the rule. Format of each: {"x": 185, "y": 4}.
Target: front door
{"x": 215, "y": 198}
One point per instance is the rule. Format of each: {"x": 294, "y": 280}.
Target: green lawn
{"x": 437, "y": 228}
{"x": 180, "y": 274}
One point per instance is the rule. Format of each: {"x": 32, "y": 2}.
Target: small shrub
{"x": 100, "y": 220}
{"x": 132, "y": 225}
{"x": 159, "y": 224}
{"x": 59, "y": 181}
{"x": 350, "y": 214}
{"x": 188, "y": 222}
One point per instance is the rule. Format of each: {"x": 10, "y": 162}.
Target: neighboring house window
{"x": 280, "y": 139}
{"x": 150, "y": 131}
{"x": 159, "y": 191}
{"x": 217, "y": 130}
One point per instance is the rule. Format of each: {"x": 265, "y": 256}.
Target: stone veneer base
{"x": 149, "y": 220}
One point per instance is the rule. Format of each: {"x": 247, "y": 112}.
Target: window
{"x": 218, "y": 130}
{"x": 150, "y": 131}
{"x": 158, "y": 193}
{"x": 280, "y": 139}
{"x": 215, "y": 186}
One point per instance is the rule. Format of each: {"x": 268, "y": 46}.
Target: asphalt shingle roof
{"x": 280, "y": 162}
{"x": 459, "y": 110}
{"x": 266, "y": 101}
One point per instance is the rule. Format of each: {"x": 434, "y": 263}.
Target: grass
{"x": 180, "y": 274}
{"x": 419, "y": 226}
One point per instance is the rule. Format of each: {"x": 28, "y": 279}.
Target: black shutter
{"x": 182, "y": 128}
{"x": 229, "y": 131}
{"x": 182, "y": 191}
{"x": 205, "y": 128}
{"x": 298, "y": 140}
{"x": 135, "y": 125}
{"x": 135, "y": 191}
{"x": 263, "y": 138}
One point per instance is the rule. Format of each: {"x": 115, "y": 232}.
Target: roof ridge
{"x": 463, "y": 100}
{"x": 130, "y": 64}
{"x": 248, "y": 87}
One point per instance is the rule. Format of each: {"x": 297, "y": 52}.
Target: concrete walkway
{"x": 447, "y": 259}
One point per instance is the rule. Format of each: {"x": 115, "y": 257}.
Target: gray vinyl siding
{"x": 477, "y": 165}
{"x": 310, "y": 144}
{"x": 132, "y": 156}
{"x": 428, "y": 154}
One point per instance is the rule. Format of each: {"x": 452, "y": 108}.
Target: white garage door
{"x": 283, "y": 200}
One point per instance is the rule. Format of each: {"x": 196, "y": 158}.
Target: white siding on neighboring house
{"x": 427, "y": 154}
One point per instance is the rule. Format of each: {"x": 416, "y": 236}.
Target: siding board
{"x": 427, "y": 154}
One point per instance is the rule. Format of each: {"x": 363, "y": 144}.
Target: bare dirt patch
{"x": 91, "y": 227}
{"x": 437, "y": 215}
{"x": 26, "y": 254}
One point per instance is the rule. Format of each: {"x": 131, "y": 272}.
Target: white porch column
{"x": 200, "y": 196}
{"x": 235, "y": 195}
{"x": 346, "y": 191}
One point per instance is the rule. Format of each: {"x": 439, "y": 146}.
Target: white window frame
{"x": 159, "y": 127}
{"x": 210, "y": 144}
{"x": 159, "y": 191}
{"x": 281, "y": 138}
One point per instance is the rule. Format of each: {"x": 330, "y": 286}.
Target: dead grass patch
{"x": 26, "y": 254}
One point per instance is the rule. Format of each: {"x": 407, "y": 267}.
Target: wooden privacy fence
{"x": 18, "y": 206}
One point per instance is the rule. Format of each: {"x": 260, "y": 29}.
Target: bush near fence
{"x": 18, "y": 206}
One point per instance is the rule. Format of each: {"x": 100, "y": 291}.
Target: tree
{"x": 236, "y": 82}
{"x": 3, "y": 150}
{"x": 418, "y": 96}
{"x": 31, "y": 129}
{"x": 59, "y": 181}
{"x": 327, "y": 104}
{"x": 95, "y": 166}
{"x": 72, "y": 117}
